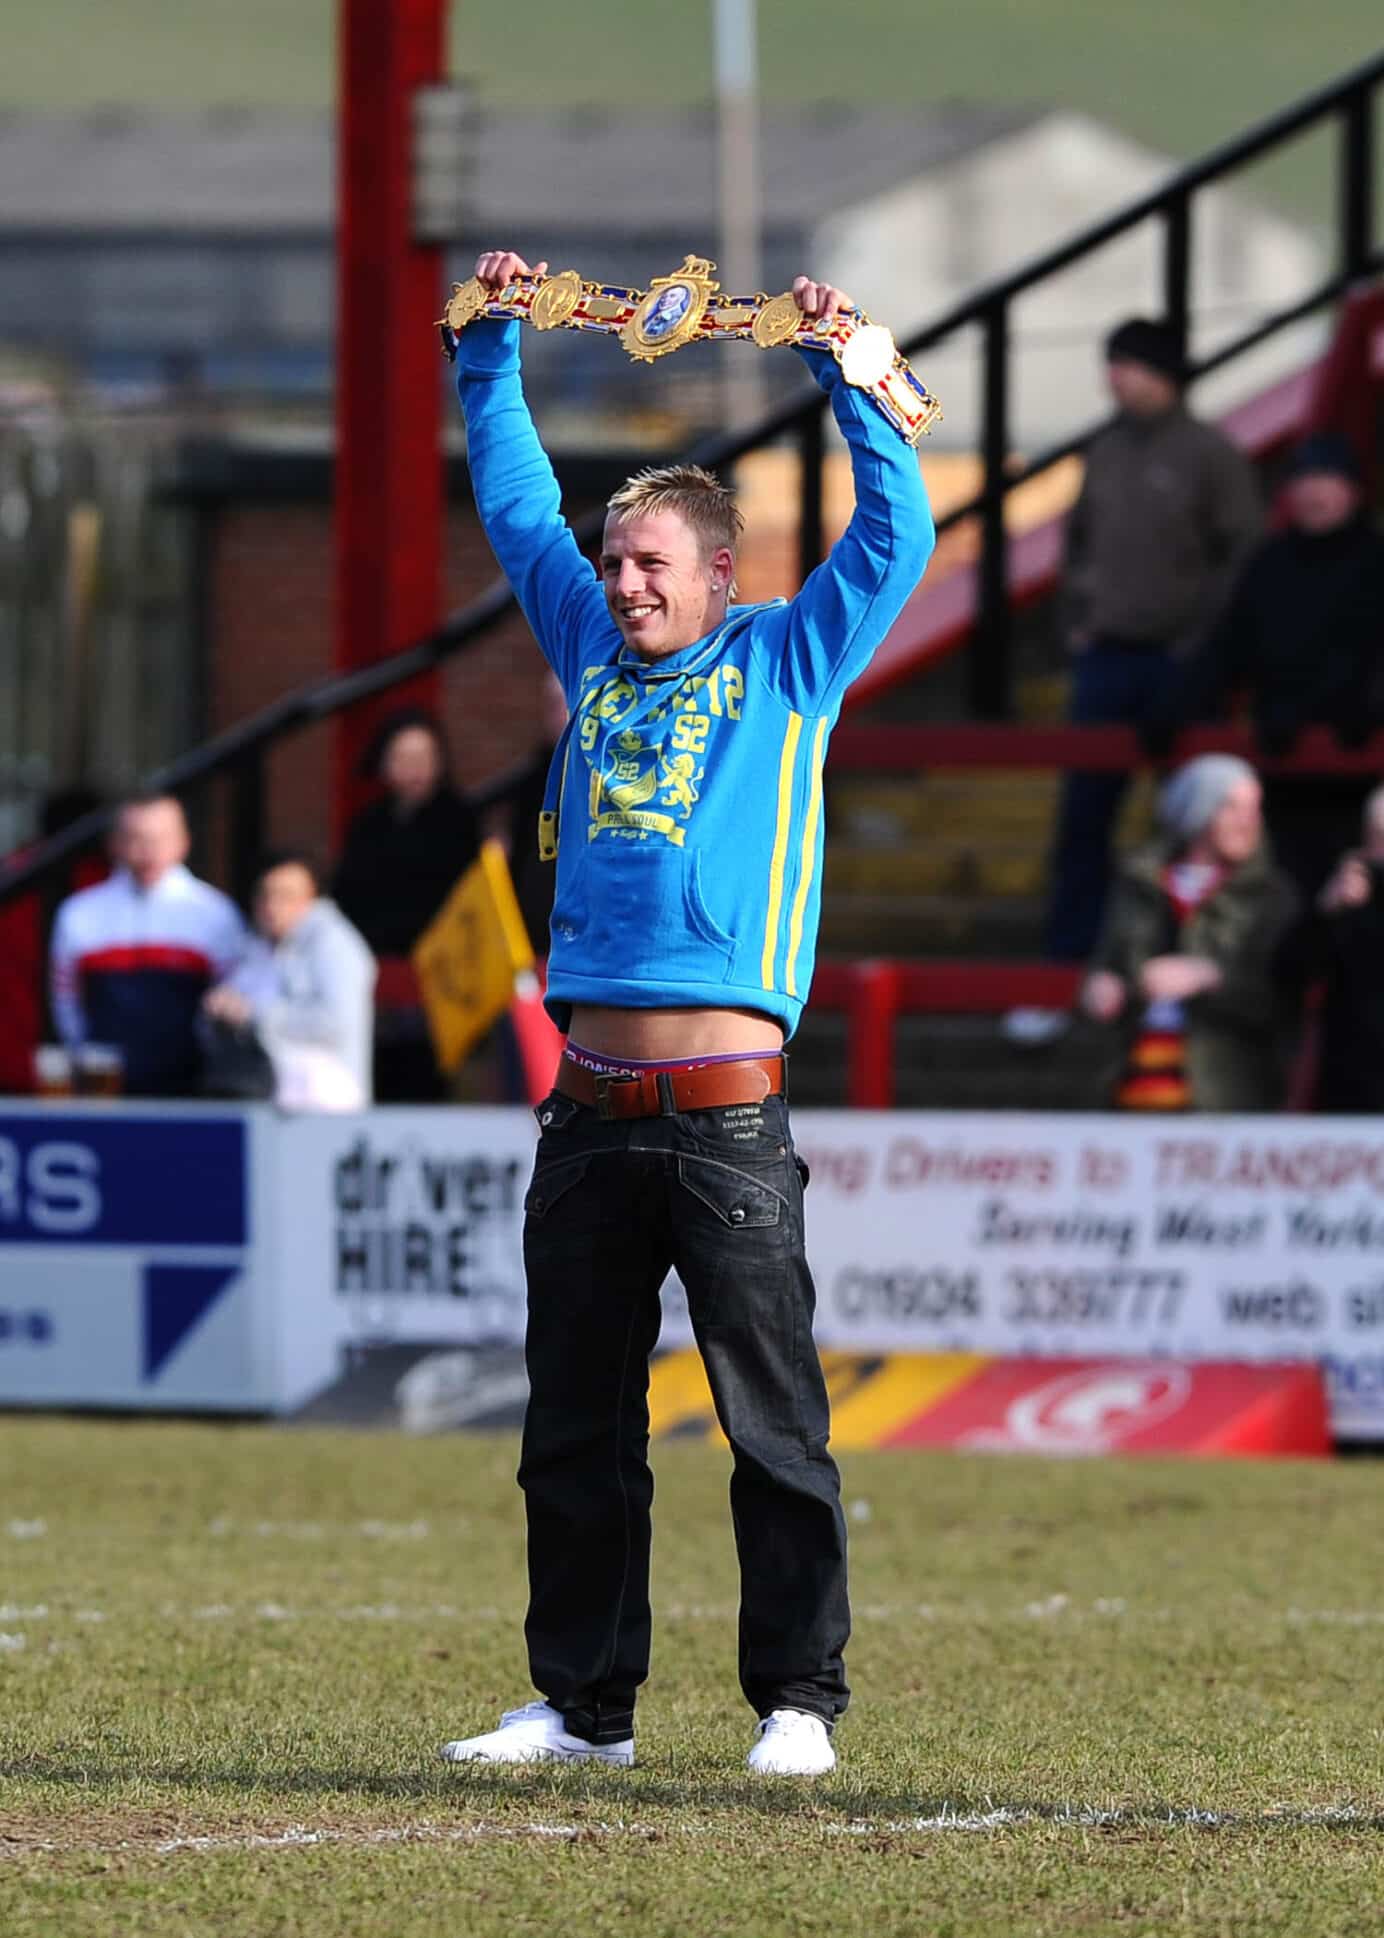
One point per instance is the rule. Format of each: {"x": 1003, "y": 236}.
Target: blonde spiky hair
{"x": 697, "y": 497}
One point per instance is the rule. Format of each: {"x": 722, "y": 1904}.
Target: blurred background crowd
{"x": 1170, "y": 443}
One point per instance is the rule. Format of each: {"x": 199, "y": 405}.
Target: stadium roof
{"x": 587, "y": 168}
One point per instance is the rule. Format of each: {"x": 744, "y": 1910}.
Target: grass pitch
{"x": 1120, "y": 1697}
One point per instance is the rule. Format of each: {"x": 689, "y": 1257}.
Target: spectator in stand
{"x": 306, "y": 987}
{"x": 26, "y": 925}
{"x": 132, "y": 958}
{"x": 405, "y": 852}
{"x": 1303, "y": 638}
{"x": 522, "y": 797}
{"x": 1186, "y": 965}
{"x": 514, "y": 801}
{"x": 403, "y": 855}
{"x": 1345, "y": 952}
{"x": 1168, "y": 509}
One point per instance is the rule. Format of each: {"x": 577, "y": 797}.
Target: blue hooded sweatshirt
{"x": 685, "y": 800}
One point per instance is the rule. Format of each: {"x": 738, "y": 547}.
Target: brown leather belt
{"x": 662, "y": 1093}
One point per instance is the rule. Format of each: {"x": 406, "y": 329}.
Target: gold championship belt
{"x": 688, "y": 307}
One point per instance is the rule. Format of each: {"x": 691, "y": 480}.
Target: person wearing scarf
{"x": 1184, "y": 970}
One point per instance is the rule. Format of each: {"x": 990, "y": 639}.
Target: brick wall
{"x": 269, "y": 619}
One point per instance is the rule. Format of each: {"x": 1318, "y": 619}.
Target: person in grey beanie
{"x": 1185, "y": 971}
{"x": 1191, "y": 798}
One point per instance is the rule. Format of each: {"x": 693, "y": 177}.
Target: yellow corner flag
{"x": 469, "y": 955}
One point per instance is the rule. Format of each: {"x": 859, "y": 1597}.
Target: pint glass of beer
{"x": 52, "y": 1070}
{"x": 100, "y": 1070}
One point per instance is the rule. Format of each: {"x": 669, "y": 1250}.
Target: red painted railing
{"x": 875, "y": 994}
{"x": 884, "y": 749}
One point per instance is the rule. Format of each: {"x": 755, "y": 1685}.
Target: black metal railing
{"x": 1348, "y": 102}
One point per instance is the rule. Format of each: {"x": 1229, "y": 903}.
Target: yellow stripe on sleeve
{"x": 809, "y": 861}
{"x": 780, "y": 854}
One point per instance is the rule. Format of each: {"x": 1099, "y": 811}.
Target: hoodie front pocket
{"x": 636, "y": 908}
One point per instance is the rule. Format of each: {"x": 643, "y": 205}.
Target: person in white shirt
{"x": 132, "y": 958}
{"x": 307, "y": 985}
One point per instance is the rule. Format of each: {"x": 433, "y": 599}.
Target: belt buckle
{"x": 603, "y": 1084}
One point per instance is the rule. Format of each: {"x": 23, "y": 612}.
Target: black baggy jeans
{"x": 612, "y": 1206}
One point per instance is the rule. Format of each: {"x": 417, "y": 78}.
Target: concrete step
{"x": 817, "y": 1068}
{"x": 959, "y": 867}
{"x": 931, "y": 925}
{"x": 953, "y": 1063}
{"x": 936, "y": 807}
{"x": 980, "y": 802}
{"x": 1042, "y": 698}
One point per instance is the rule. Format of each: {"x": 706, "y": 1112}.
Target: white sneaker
{"x": 792, "y": 1743}
{"x": 535, "y": 1734}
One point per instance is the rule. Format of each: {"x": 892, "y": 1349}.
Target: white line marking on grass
{"x": 1337, "y": 1617}
{"x": 1090, "y": 1817}
{"x": 1054, "y": 1605}
{"x": 12, "y": 1644}
{"x": 1050, "y": 1608}
{"x": 298, "y": 1835}
{"x": 947, "y": 1821}
{"x": 26, "y": 1530}
{"x": 372, "y": 1530}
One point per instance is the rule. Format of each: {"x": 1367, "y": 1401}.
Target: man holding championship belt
{"x": 685, "y": 812}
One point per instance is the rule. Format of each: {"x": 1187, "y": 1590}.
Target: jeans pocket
{"x": 740, "y": 1133}
{"x": 552, "y": 1182}
{"x": 740, "y": 1200}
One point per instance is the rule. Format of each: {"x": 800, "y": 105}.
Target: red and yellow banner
{"x": 1052, "y": 1406}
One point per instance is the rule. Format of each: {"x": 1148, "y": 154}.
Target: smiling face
{"x": 663, "y": 592}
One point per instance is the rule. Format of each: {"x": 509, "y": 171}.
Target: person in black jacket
{"x": 405, "y": 852}
{"x": 402, "y": 857}
{"x": 1346, "y": 954}
{"x": 1303, "y": 638}
{"x": 522, "y": 795}
{"x": 1169, "y": 510}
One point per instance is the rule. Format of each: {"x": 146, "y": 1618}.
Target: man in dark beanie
{"x": 1302, "y": 639}
{"x": 1167, "y": 511}
{"x": 1152, "y": 345}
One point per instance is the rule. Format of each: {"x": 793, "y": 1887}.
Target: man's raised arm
{"x": 825, "y": 637}
{"x": 515, "y": 490}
